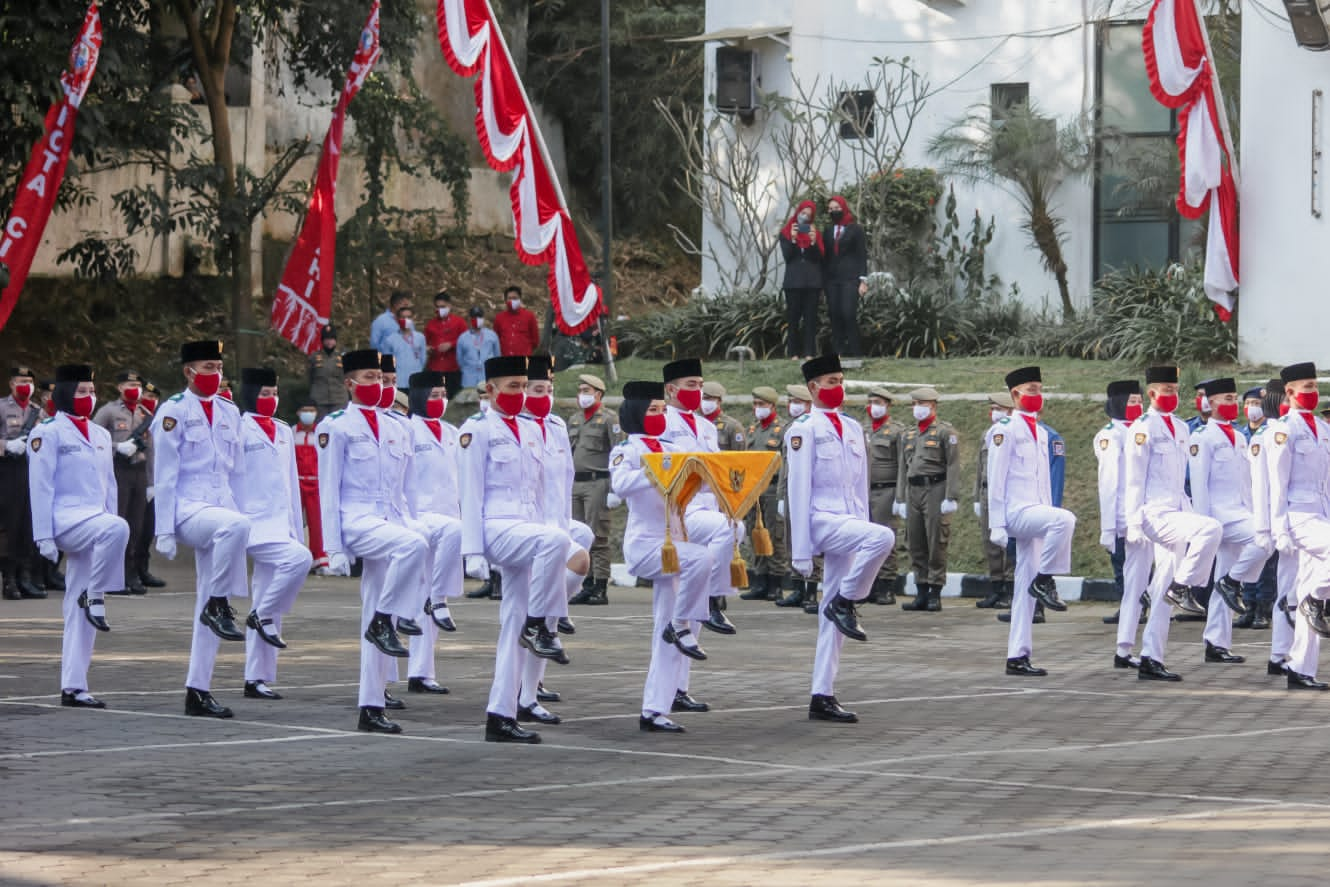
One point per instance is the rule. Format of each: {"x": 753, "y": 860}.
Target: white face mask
{"x": 997, "y": 415}
{"x": 307, "y": 417}
{"x": 877, "y": 410}
{"x": 921, "y": 412}
{"x": 710, "y": 406}
{"x": 1255, "y": 413}
{"x": 445, "y": 311}
{"x": 410, "y": 324}
{"x": 479, "y": 322}
{"x": 586, "y": 401}
{"x": 762, "y": 413}
{"x": 484, "y": 406}
{"x": 514, "y": 304}
{"x": 797, "y": 408}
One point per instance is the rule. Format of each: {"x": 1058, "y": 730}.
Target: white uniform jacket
{"x": 269, "y": 494}
{"x": 70, "y": 478}
{"x": 827, "y": 473}
{"x": 195, "y": 464}
{"x": 1220, "y": 474}
{"x": 1299, "y": 470}
{"x": 646, "y": 506}
{"x": 1018, "y": 471}
{"x": 1258, "y": 454}
{"x": 1156, "y": 466}
{"x": 360, "y": 474}
{"x": 433, "y": 480}
{"x": 557, "y": 504}
{"x": 499, "y": 475}
{"x": 1110, "y": 450}
{"x": 682, "y": 438}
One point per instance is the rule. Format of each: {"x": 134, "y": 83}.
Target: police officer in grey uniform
{"x": 926, "y": 492}
{"x": 326, "y": 386}
{"x": 128, "y": 423}
{"x": 18, "y": 414}
{"x": 803, "y": 591}
{"x": 1001, "y": 568}
{"x": 884, "y": 441}
{"x": 769, "y": 575}
{"x": 593, "y": 431}
{"x": 729, "y": 430}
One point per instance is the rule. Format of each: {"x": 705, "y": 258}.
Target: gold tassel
{"x": 762, "y": 546}
{"x": 738, "y": 572}
{"x": 669, "y": 555}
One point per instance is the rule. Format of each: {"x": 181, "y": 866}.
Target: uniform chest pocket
{"x": 505, "y": 455}
{"x": 828, "y": 448}
{"x": 1163, "y": 447}
{"x": 1224, "y": 455}
{"x": 361, "y": 451}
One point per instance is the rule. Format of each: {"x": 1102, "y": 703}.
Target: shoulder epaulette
{"x": 176, "y": 397}
{"x": 1005, "y": 420}
{"x": 475, "y": 417}
{"x": 336, "y": 415}
{"x": 804, "y": 418}
{"x": 48, "y": 421}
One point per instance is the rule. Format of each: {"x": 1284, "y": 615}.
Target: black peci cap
{"x": 1124, "y": 388}
{"x": 1161, "y": 375}
{"x": 354, "y": 361}
{"x": 426, "y": 379}
{"x": 644, "y": 391}
{"x": 821, "y": 366}
{"x": 209, "y": 349}
{"x": 501, "y": 367}
{"x": 681, "y": 369}
{"x": 1017, "y": 378}
{"x": 73, "y": 372}
{"x": 262, "y": 377}
{"x": 1297, "y": 372}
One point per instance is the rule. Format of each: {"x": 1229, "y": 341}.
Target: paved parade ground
{"x": 956, "y": 774}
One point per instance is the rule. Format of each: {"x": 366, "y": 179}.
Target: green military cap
{"x": 1002, "y": 399}
{"x": 713, "y": 389}
{"x": 595, "y": 382}
{"x": 767, "y": 393}
{"x": 799, "y": 392}
{"x": 881, "y": 392}
{"x": 925, "y": 394}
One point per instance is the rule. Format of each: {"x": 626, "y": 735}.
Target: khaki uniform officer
{"x": 593, "y": 431}
{"x": 926, "y": 492}
{"x": 128, "y": 424}
{"x": 767, "y": 432}
{"x": 729, "y": 430}
{"x": 326, "y": 386}
{"x": 804, "y": 591}
{"x": 1001, "y": 569}
{"x": 884, "y": 442}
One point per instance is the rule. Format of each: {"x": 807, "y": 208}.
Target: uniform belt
{"x": 590, "y": 475}
{"x": 926, "y": 480}
{"x": 884, "y": 485}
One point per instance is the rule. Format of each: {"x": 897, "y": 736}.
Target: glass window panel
{"x": 1125, "y": 89}
{"x": 1127, "y": 245}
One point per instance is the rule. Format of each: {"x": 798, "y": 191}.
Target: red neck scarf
{"x": 1311, "y": 422}
{"x": 372, "y": 418}
{"x": 692, "y": 423}
{"x": 511, "y": 422}
{"x": 878, "y": 423}
{"x": 1228, "y": 431}
{"x": 1033, "y": 422}
{"x": 589, "y": 412}
{"x": 268, "y": 426}
{"x": 207, "y": 409}
{"x": 434, "y": 426}
{"x": 767, "y": 422}
{"x": 926, "y": 424}
{"x": 835, "y": 423}
{"x": 652, "y": 444}
{"x": 1168, "y": 420}
{"x": 81, "y": 424}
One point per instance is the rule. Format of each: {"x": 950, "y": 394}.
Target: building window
{"x": 1002, "y": 97}
{"x": 858, "y": 120}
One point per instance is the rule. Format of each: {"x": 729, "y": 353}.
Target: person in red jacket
{"x": 518, "y": 329}
{"x": 307, "y": 469}
{"x": 441, "y": 334}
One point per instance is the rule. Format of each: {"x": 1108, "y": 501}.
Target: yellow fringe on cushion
{"x": 738, "y": 572}
{"x": 762, "y": 546}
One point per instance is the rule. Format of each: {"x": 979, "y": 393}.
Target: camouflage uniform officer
{"x": 326, "y": 386}
{"x": 769, "y": 575}
{"x": 926, "y": 492}
{"x": 884, "y": 439}
{"x": 19, "y": 413}
{"x": 1001, "y": 567}
{"x": 593, "y": 431}
{"x": 729, "y": 430}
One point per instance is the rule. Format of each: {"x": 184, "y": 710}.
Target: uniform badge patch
{"x": 36, "y": 444}
{"x": 997, "y": 440}
{"x": 952, "y": 440}
{"x": 1280, "y": 438}
{"x": 465, "y": 440}
{"x": 323, "y": 440}
{"x": 1103, "y": 443}
{"x": 168, "y": 423}
{"x": 618, "y": 459}
{"x": 1256, "y": 449}
{"x": 1195, "y": 448}
{"x": 1059, "y": 448}
{"x": 1140, "y": 439}
{"x": 796, "y": 443}
{"x": 615, "y": 428}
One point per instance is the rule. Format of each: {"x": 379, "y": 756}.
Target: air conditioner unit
{"x": 1308, "y": 19}
{"x": 736, "y": 80}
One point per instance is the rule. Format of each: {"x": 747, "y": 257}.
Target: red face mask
{"x": 1307, "y": 400}
{"x": 206, "y": 384}
{"x": 131, "y": 396}
{"x": 539, "y": 406}
{"x": 654, "y": 425}
{"x": 387, "y": 395}
{"x": 1226, "y": 411}
{"x": 690, "y": 398}
{"x": 434, "y": 408}
{"x": 1200, "y": 403}
{"x": 1283, "y": 410}
{"x": 1133, "y": 412}
{"x": 265, "y": 406}
{"x": 1032, "y": 403}
{"x": 225, "y": 394}
{"x": 510, "y": 403}
{"x": 831, "y": 398}
{"x": 49, "y": 407}
{"x": 148, "y": 403}
{"x": 83, "y": 405}
{"x": 368, "y": 395}
{"x": 1166, "y": 403}
{"x": 23, "y": 392}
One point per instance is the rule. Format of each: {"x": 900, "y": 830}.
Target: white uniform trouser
{"x": 533, "y": 667}
{"x": 852, "y": 552}
{"x": 1311, "y": 536}
{"x": 95, "y": 552}
{"x": 218, "y": 537}
{"x": 394, "y": 559}
{"x": 716, "y": 532}
{"x": 1186, "y": 545}
{"x": 665, "y": 673}
{"x": 533, "y": 559}
{"x": 280, "y": 569}
{"x": 1135, "y": 579}
{"x": 443, "y": 580}
{"x": 1043, "y": 545}
{"x": 1240, "y": 557}
{"x": 1286, "y": 581}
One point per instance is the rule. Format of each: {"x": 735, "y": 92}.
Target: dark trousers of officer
{"x": 778, "y": 563}
{"x": 589, "y": 507}
{"x": 881, "y": 496}
{"x": 16, "y": 514}
{"x": 1262, "y": 591}
{"x": 843, "y": 309}
{"x": 132, "y": 504}
{"x": 146, "y": 538}
{"x": 927, "y": 530}
{"x": 1001, "y": 566}
{"x": 801, "y": 322}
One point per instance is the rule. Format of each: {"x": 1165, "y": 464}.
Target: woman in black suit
{"x": 801, "y": 245}
{"x": 846, "y": 270}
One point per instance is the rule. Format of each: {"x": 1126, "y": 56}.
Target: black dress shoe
{"x": 828, "y": 708}
{"x": 537, "y": 638}
{"x": 1037, "y": 619}
{"x": 1191, "y": 605}
{"x": 1021, "y": 667}
{"x": 1176, "y": 594}
{"x": 373, "y": 721}
{"x": 1045, "y": 590}
{"x": 1230, "y": 590}
{"x": 1220, "y": 654}
{"x": 565, "y": 626}
{"x": 1313, "y": 611}
{"x": 758, "y": 587}
{"x": 1153, "y": 670}
{"x": 664, "y": 725}
{"x": 1120, "y": 661}
{"x": 149, "y": 580}
{"x": 425, "y": 685}
{"x": 119, "y": 592}
{"x": 501, "y": 729}
{"x": 409, "y": 627}
{"x": 716, "y": 620}
{"x": 528, "y": 713}
{"x": 671, "y": 636}
{"x": 991, "y": 599}
{"x": 72, "y": 700}
{"x": 483, "y": 590}
{"x": 200, "y": 704}
{"x": 684, "y": 702}
{"x": 380, "y": 633}
{"x": 28, "y": 589}
{"x": 264, "y": 628}
{"x": 444, "y": 622}
{"x": 544, "y": 695}
{"x": 218, "y": 616}
{"x": 11, "y": 592}
{"x": 1305, "y": 682}
{"x": 97, "y": 621}
{"x": 843, "y": 615}
{"x": 1113, "y": 620}
{"x": 1275, "y": 668}
{"x": 392, "y": 702}
{"x": 136, "y": 588}
{"x": 52, "y": 578}
{"x": 260, "y": 690}
{"x": 496, "y": 585}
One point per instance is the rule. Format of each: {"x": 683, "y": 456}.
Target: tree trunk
{"x": 1043, "y": 228}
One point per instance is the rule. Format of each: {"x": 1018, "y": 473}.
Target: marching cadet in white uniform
{"x": 1020, "y": 498}
{"x": 71, "y": 482}
{"x": 1286, "y": 569}
{"x": 642, "y": 418}
{"x": 1110, "y": 448}
{"x": 196, "y": 469}
{"x": 1221, "y": 488}
{"x": 828, "y": 514}
{"x": 270, "y": 497}
{"x": 1158, "y": 511}
{"x": 502, "y": 485}
{"x": 432, "y": 487}
{"x": 557, "y": 511}
{"x": 1300, "y": 517}
{"x": 363, "y": 460}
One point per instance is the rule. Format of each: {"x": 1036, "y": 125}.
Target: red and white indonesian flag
{"x": 46, "y": 169}
{"x": 303, "y": 302}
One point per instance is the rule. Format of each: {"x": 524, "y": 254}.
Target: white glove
{"x": 16, "y": 446}
{"x": 948, "y": 506}
{"x": 900, "y": 510}
{"x": 1135, "y": 535}
{"x": 1283, "y": 543}
{"x": 126, "y": 448}
{"x": 1109, "y": 540}
{"x": 152, "y": 491}
{"x": 46, "y": 548}
{"x": 166, "y": 545}
{"x": 998, "y": 537}
{"x": 338, "y": 564}
{"x": 476, "y": 568}
{"x": 780, "y": 507}
{"x": 803, "y": 568}
{"x": 1264, "y": 540}
{"x": 978, "y": 511}
{"x": 612, "y": 501}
